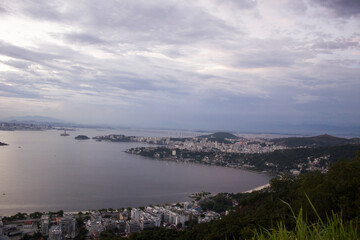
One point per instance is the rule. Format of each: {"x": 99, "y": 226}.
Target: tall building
{"x": 95, "y": 226}
{"x": 132, "y": 227}
{"x": 96, "y": 216}
{"x": 109, "y": 224}
{"x": 122, "y": 226}
{"x": 2, "y": 236}
{"x": 44, "y": 227}
{"x": 55, "y": 233}
{"x": 1, "y": 227}
{"x": 135, "y": 214}
{"x": 68, "y": 226}
{"x": 187, "y": 205}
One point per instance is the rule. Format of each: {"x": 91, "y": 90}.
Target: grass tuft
{"x": 333, "y": 229}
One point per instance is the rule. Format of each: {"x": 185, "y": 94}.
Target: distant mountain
{"x": 220, "y": 135}
{"x": 315, "y": 141}
{"x": 30, "y": 119}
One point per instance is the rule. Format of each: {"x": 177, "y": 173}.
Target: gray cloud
{"x": 46, "y": 10}
{"x": 17, "y": 64}
{"x": 18, "y": 92}
{"x": 342, "y": 8}
{"x": 333, "y": 45}
{"x": 2, "y": 10}
{"x": 13, "y": 51}
{"x": 120, "y": 21}
{"x": 266, "y": 59}
{"x": 79, "y": 38}
{"x": 240, "y": 4}
{"x": 182, "y": 64}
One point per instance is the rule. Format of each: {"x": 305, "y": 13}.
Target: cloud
{"x": 240, "y": 4}
{"x": 341, "y": 8}
{"x": 17, "y": 64}
{"x": 16, "y": 52}
{"x": 304, "y": 98}
{"x": 170, "y": 61}
{"x": 17, "y": 91}
{"x": 335, "y": 44}
{"x": 80, "y": 38}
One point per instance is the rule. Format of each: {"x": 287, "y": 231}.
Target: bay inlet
{"x": 43, "y": 171}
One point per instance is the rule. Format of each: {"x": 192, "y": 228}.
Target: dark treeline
{"x": 338, "y": 192}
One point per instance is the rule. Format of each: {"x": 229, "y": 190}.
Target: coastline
{"x": 173, "y": 203}
{"x": 258, "y": 188}
{"x": 186, "y": 161}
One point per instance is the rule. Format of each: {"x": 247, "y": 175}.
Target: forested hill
{"x": 335, "y": 194}
{"x": 315, "y": 141}
{"x": 303, "y": 158}
{"x": 220, "y": 135}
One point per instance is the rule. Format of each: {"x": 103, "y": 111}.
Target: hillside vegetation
{"x": 220, "y": 135}
{"x": 315, "y": 141}
{"x": 313, "y": 203}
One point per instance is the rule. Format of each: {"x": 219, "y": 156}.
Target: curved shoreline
{"x": 258, "y": 188}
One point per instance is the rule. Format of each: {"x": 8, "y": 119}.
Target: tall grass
{"x": 333, "y": 228}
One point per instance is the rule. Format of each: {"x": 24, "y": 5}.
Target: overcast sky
{"x": 240, "y": 65}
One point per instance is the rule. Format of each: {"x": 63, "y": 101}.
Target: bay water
{"x": 43, "y": 171}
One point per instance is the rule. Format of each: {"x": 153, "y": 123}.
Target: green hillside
{"x": 315, "y": 141}
{"x": 220, "y": 135}
{"x": 311, "y": 206}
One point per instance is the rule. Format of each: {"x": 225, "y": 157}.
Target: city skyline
{"x": 230, "y": 65}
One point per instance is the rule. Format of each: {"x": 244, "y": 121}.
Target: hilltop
{"x": 220, "y": 135}
{"x": 315, "y": 141}
{"x": 82, "y": 137}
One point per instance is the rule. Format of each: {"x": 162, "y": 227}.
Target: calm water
{"x": 42, "y": 171}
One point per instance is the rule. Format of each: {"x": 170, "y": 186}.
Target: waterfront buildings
{"x": 1, "y": 227}
{"x": 132, "y": 227}
{"x": 55, "y": 233}
{"x": 44, "y": 225}
{"x": 68, "y": 226}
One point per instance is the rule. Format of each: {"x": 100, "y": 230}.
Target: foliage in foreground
{"x": 334, "y": 228}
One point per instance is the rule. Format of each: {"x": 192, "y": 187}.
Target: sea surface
{"x": 43, "y": 171}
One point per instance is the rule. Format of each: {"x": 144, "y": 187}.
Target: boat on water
{"x": 65, "y": 134}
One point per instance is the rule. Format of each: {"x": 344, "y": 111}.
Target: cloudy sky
{"x": 239, "y": 65}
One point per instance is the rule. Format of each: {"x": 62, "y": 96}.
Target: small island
{"x": 82, "y": 137}
{"x": 3, "y": 144}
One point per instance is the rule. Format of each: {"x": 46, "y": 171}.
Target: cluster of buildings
{"x": 56, "y": 228}
{"x": 241, "y": 145}
{"x": 229, "y": 145}
{"x": 2, "y": 233}
{"x": 13, "y": 126}
{"x": 60, "y": 229}
{"x": 121, "y": 222}
{"x": 136, "y": 219}
{"x": 313, "y": 164}
{"x": 16, "y": 229}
